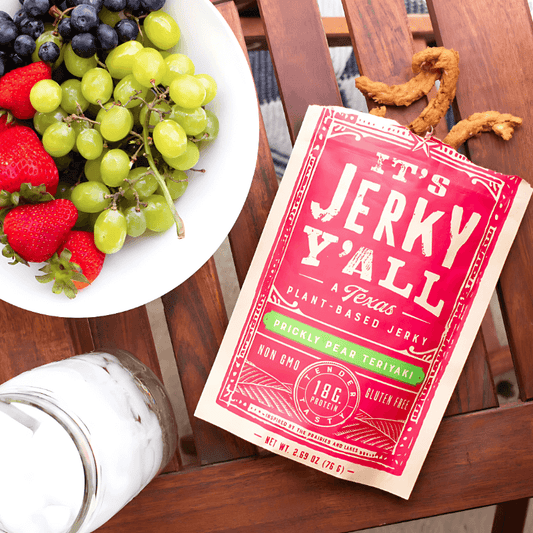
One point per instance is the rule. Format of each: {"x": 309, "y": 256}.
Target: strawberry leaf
{"x": 28, "y": 194}
{"x": 63, "y": 273}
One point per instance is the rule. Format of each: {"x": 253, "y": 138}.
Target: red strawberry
{"x": 85, "y": 254}
{"x": 24, "y": 160}
{"x": 15, "y": 87}
{"x": 33, "y": 232}
{"x": 76, "y": 264}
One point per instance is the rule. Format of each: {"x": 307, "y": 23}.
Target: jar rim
{"x": 75, "y": 429}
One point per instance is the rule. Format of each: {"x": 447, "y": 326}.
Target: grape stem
{"x": 148, "y": 154}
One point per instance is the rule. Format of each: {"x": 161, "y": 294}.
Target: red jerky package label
{"x": 373, "y": 273}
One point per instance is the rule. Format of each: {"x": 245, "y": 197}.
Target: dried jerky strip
{"x": 429, "y": 65}
{"x": 399, "y": 95}
{"x": 379, "y": 111}
{"x": 503, "y": 124}
{"x": 447, "y": 61}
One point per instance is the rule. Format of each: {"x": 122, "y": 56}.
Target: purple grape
{"x": 36, "y": 8}
{"x": 115, "y": 5}
{"x": 107, "y": 37}
{"x": 8, "y": 32}
{"x": 84, "y": 45}
{"x": 152, "y": 5}
{"x": 24, "y": 45}
{"x": 49, "y": 52}
{"x": 127, "y": 30}
{"x": 84, "y": 18}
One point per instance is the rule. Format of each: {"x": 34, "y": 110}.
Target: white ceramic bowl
{"x": 150, "y": 266}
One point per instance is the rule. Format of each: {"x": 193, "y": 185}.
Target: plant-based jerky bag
{"x": 375, "y": 268}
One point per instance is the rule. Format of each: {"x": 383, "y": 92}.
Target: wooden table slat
{"x": 300, "y": 55}
{"x": 197, "y": 320}
{"x": 475, "y": 389}
{"x": 30, "y": 339}
{"x": 277, "y": 494}
{"x": 495, "y": 79}
{"x": 383, "y": 47}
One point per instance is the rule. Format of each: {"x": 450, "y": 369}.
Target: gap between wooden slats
{"x": 336, "y": 29}
{"x": 494, "y": 40}
{"x": 247, "y": 230}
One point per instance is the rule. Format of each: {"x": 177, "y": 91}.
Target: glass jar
{"x": 81, "y": 437}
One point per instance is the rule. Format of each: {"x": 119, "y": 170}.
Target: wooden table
{"x": 482, "y": 454}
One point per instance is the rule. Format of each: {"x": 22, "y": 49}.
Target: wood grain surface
{"x": 495, "y": 75}
{"x": 467, "y": 467}
{"x": 301, "y": 59}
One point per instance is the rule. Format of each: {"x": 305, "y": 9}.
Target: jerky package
{"x": 374, "y": 271}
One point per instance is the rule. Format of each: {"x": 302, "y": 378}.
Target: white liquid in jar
{"x": 41, "y": 473}
{"x": 123, "y": 429}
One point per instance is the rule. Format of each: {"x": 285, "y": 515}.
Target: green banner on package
{"x": 342, "y": 349}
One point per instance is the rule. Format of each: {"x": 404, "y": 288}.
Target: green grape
{"x": 177, "y": 64}
{"x": 110, "y": 230}
{"x": 77, "y": 65}
{"x": 78, "y": 126}
{"x": 162, "y": 30}
{"x": 109, "y": 17}
{"x": 97, "y": 85}
{"x": 143, "y": 39}
{"x": 72, "y": 97}
{"x": 101, "y": 114}
{"x": 141, "y": 181}
{"x": 116, "y": 123}
{"x": 58, "y": 139}
{"x": 187, "y": 91}
{"x": 115, "y": 167}
{"x": 135, "y": 220}
{"x": 82, "y": 220}
{"x": 148, "y": 67}
{"x": 92, "y": 168}
{"x": 126, "y": 89}
{"x": 193, "y": 121}
{"x": 49, "y": 35}
{"x": 158, "y": 214}
{"x": 41, "y": 121}
{"x": 90, "y": 144}
{"x": 64, "y": 190}
{"x": 170, "y": 138}
{"x": 210, "y": 132}
{"x": 63, "y": 162}
{"x": 160, "y": 111}
{"x": 90, "y": 196}
{"x": 210, "y": 87}
{"x": 45, "y": 96}
{"x": 185, "y": 161}
{"x": 119, "y": 61}
{"x": 176, "y": 183}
